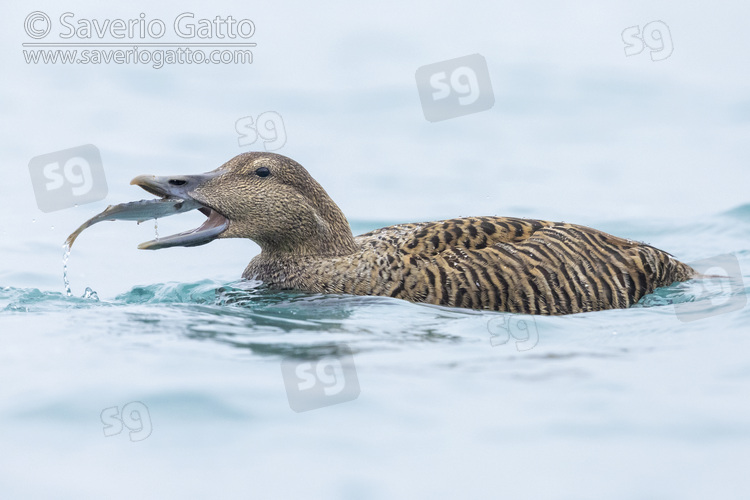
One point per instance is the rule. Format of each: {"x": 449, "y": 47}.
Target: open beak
{"x": 181, "y": 187}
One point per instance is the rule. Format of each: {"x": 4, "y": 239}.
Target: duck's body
{"x": 495, "y": 263}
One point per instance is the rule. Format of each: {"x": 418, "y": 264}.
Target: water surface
{"x": 449, "y": 401}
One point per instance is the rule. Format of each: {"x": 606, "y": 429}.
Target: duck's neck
{"x": 322, "y": 231}
{"x": 334, "y": 236}
{"x": 294, "y": 267}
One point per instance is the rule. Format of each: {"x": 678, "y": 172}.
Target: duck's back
{"x": 509, "y": 264}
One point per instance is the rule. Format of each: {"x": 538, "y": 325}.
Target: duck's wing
{"x": 470, "y": 233}
{"x": 522, "y": 265}
{"x": 577, "y": 268}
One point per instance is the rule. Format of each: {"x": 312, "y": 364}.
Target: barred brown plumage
{"x": 495, "y": 263}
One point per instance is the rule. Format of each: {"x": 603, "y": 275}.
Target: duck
{"x": 504, "y": 264}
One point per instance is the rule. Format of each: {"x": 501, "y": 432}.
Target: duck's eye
{"x": 263, "y": 172}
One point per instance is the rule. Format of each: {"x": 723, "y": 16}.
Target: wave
{"x": 742, "y": 212}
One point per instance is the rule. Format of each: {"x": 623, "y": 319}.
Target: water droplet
{"x": 66, "y": 282}
{"x": 33, "y": 221}
{"x": 156, "y": 228}
{"x": 52, "y": 228}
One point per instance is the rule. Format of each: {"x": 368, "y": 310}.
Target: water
{"x": 66, "y": 281}
{"x": 447, "y": 401}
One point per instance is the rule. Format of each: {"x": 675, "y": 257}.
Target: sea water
{"x": 218, "y": 388}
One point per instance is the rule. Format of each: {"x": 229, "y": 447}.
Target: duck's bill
{"x": 214, "y": 225}
{"x": 179, "y": 188}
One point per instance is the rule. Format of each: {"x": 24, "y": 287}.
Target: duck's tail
{"x": 683, "y": 272}
{"x": 692, "y": 274}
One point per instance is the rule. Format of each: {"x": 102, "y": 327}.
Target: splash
{"x": 66, "y": 281}
{"x": 90, "y": 294}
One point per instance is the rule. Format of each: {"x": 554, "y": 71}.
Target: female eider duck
{"x": 495, "y": 263}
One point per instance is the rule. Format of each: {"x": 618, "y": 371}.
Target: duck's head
{"x": 266, "y": 197}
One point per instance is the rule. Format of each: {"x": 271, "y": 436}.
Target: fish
{"x": 138, "y": 211}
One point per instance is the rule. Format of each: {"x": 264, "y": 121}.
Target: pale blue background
{"x": 578, "y": 131}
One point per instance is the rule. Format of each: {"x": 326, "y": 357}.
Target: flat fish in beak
{"x": 137, "y": 211}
